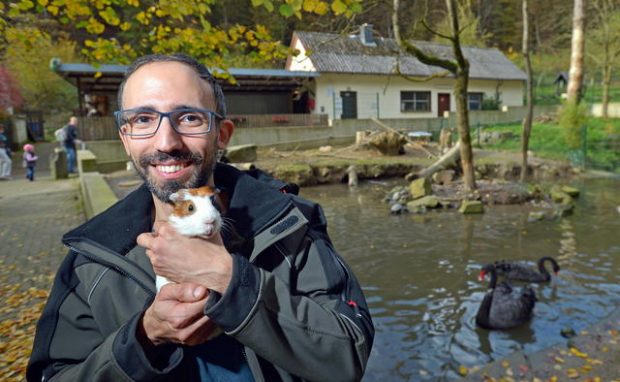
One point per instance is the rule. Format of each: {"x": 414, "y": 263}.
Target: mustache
{"x": 176, "y": 155}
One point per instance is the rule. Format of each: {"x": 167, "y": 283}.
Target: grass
{"x": 547, "y": 93}
{"x": 602, "y": 142}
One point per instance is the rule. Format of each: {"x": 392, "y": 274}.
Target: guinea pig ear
{"x": 179, "y": 196}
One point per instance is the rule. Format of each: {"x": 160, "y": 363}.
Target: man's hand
{"x": 186, "y": 259}
{"x": 176, "y": 315}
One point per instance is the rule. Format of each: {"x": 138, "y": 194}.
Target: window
{"x": 474, "y": 101}
{"x": 415, "y": 101}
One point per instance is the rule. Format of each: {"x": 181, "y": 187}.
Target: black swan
{"x": 501, "y": 308}
{"x": 524, "y": 272}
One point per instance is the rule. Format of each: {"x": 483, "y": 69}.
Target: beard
{"x": 162, "y": 191}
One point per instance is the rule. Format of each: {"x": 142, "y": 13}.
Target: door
{"x": 349, "y": 105}
{"x": 443, "y": 103}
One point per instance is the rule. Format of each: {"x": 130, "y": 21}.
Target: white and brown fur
{"x": 194, "y": 214}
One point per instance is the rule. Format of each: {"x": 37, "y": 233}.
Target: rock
{"x": 444, "y": 177}
{"x": 568, "y": 332}
{"x": 411, "y": 176}
{"x": 564, "y": 210}
{"x": 241, "y": 153}
{"x": 535, "y": 216}
{"x": 429, "y": 201}
{"x": 325, "y": 149}
{"x": 420, "y": 187}
{"x": 471, "y": 207}
{"x": 561, "y": 197}
{"x": 571, "y": 191}
{"x": 397, "y": 209}
{"x": 388, "y": 143}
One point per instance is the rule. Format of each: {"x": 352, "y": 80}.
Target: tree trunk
{"x": 575, "y": 74}
{"x": 527, "y": 121}
{"x": 460, "y": 94}
{"x": 606, "y": 85}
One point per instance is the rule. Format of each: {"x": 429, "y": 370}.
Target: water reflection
{"x": 420, "y": 275}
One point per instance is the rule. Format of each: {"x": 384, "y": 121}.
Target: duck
{"x": 523, "y": 272}
{"x": 502, "y": 307}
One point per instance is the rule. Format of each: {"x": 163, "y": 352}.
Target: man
{"x": 289, "y": 306}
{"x": 69, "y": 144}
{"x": 6, "y": 163}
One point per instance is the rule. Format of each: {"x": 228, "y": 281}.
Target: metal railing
{"x": 104, "y": 128}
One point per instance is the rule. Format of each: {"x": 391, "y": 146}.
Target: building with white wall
{"x": 360, "y": 76}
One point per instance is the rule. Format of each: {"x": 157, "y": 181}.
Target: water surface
{"x": 419, "y": 274}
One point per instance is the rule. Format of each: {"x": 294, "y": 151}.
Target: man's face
{"x": 73, "y": 121}
{"x": 168, "y": 161}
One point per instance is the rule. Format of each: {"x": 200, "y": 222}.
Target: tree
{"x": 459, "y": 67}
{"x": 27, "y": 56}
{"x": 575, "y": 74}
{"x": 529, "y": 95}
{"x": 604, "y": 43}
{"x": 10, "y": 97}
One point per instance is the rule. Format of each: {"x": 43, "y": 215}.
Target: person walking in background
{"x": 69, "y": 144}
{"x": 30, "y": 161}
{"x": 5, "y": 160}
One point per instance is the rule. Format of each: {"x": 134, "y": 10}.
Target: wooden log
{"x": 449, "y": 158}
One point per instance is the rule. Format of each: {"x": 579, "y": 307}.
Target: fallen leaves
{"x": 18, "y": 317}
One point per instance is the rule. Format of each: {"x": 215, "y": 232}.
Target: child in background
{"x": 30, "y": 160}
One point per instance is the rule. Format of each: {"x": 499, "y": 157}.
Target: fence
{"x": 104, "y": 128}
{"x": 270, "y": 120}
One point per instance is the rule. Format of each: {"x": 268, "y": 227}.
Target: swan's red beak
{"x": 481, "y": 275}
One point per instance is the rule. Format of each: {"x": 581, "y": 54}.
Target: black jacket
{"x": 292, "y": 302}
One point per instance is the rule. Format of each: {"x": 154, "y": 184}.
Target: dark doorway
{"x": 443, "y": 103}
{"x": 349, "y": 105}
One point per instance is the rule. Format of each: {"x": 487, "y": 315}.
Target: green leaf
{"x": 257, "y": 3}
{"x": 286, "y": 10}
{"x": 339, "y": 7}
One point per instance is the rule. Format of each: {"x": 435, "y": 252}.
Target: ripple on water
{"x": 420, "y": 276}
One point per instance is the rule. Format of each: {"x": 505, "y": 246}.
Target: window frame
{"x": 469, "y": 100}
{"x": 414, "y": 102}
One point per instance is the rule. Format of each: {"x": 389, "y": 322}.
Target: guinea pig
{"x": 195, "y": 213}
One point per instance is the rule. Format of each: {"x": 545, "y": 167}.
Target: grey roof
{"x": 334, "y": 53}
{"x": 110, "y": 76}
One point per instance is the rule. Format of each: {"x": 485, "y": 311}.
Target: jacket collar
{"x": 253, "y": 204}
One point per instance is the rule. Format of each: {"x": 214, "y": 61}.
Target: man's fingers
{"x": 183, "y": 292}
{"x": 145, "y": 239}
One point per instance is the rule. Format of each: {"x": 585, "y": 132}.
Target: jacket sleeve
{"x": 314, "y": 323}
{"x": 71, "y": 345}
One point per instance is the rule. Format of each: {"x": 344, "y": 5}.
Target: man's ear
{"x": 124, "y": 139}
{"x": 226, "y": 129}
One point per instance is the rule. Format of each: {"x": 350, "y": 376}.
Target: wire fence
{"x": 600, "y": 151}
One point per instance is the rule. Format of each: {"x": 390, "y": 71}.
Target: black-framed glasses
{"x": 144, "y": 122}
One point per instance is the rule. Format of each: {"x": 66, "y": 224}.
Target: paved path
{"x": 33, "y": 217}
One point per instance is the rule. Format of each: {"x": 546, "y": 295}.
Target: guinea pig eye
{"x": 190, "y": 207}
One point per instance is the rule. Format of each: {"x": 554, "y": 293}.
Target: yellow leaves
{"x": 463, "y": 371}
{"x": 574, "y": 351}
{"x": 94, "y": 26}
{"x": 20, "y": 312}
{"x": 110, "y": 16}
{"x": 133, "y": 3}
{"x": 143, "y": 18}
{"x": 53, "y": 10}
{"x": 42, "y": 3}
{"x": 558, "y": 359}
{"x": 572, "y": 373}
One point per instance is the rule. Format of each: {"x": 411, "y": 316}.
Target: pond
{"x": 420, "y": 274}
